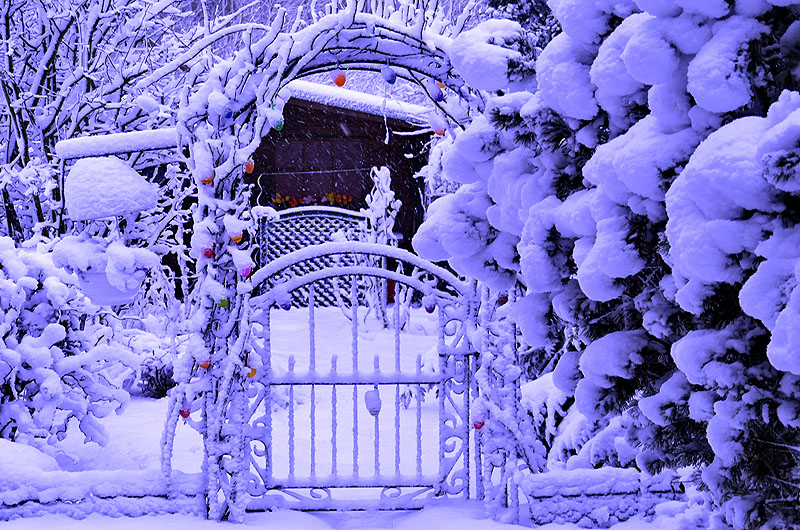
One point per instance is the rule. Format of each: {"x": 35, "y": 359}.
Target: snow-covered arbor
{"x": 223, "y": 117}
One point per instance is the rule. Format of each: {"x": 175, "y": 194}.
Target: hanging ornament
{"x": 236, "y": 238}
{"x": 440, "y": 84}
{"x": 223, "y": 303}
{"x": 228, "y": 114}
{"x": 372, "y": 399}
{"x": 478, "y": 424}
{"x": 245, "y": 272}
{"x": 207, "y": 180}
{"x": 429, "y": 303}
{"x": 434, "y": 91}
{"x": 338, "y": 77}
{"x": 502, "y": 299}
{"x": 389, "y": 75}
{"x": 278, "y": 126}
{"x": 205, "y": 364}
{"x": 208, "y": 252}
{"x": 252, "y": 372}
{"x": 249, "y": 166}
{"x": 185, "y": 412}
{"x": 437, "y": 123}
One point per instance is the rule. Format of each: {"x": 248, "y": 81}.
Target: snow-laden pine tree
{"x": 642, "y": 196}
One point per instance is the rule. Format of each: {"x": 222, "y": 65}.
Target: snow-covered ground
{"x": 132, "y": 456}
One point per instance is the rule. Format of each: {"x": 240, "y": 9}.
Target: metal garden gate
{"x": 322, "y": 457}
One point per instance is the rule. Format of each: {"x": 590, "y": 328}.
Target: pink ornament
{"x": 245, "y": 272}
{"x": 208, "y": 252}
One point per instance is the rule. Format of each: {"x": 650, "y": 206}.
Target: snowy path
{"x": 463, "y": 517}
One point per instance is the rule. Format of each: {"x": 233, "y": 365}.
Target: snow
{"x": 106, "y": 187}
{"x": 479, "y": 60}
{"x": 358, "y": 101}
{"x": 630, "y": 190}
{"x": 128, "y": 465}
{"x": 563, "y": 76}
{"x": 716, "y": 80}
{"x": 110, "y": 144}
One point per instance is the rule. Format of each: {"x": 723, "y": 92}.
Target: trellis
{"x": 226, "y": 110}
{"x": 304, "y": 226}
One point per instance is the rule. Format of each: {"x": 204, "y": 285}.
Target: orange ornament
{"x": 339, "y": 78}
{"x": 439, "y": 84}
{"x": 207, "y": 180}
{"x": 205, "y": 364}
{"x": 249, "y": 166}
{"x": 236, "y": 238}
{"x": 251, "y": 373}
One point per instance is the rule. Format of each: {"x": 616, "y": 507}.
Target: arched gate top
{"x": 285, "y": 262}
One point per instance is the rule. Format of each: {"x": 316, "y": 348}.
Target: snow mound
{"x": 481, "y": 57}
{"x": 11, "y": 454}
{"x": 105, "y": 187}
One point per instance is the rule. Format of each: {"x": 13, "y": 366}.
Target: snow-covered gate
{"x": 410, "y": 465}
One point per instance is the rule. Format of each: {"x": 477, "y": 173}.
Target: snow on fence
{"x": 594, "y": 498}
{"x": 116, "y": 492}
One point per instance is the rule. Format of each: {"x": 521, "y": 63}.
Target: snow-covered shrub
{"x": 644, "y": 196}
{"x": 155, "y": 378}
{"x": 58, "y": 362}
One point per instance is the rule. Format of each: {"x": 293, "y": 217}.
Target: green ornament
{"x": 223, "y": 302}
{"x": 278, "y": 125}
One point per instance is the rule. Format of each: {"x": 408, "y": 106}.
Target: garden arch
{"x": 224, "y": 113}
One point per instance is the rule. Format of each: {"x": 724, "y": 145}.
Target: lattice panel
{"x": 300, "y": 228}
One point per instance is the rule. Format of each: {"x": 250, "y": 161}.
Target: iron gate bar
{"x": 371, "y": 481}
{"x": 361, "y": 378}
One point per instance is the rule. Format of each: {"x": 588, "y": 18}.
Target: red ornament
{"x": 208, "y": 252}
{"x": 502, "y": 299}
{"x": 185, "y": 413}
{"x": 478, "y": 424}
{"x": 249, "y": 166}
{"x": 205, "y": 364}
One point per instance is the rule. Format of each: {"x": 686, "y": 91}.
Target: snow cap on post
{"x": 105, "y": 187}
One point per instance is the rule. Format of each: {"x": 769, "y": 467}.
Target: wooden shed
{"x": 330, "y": 140}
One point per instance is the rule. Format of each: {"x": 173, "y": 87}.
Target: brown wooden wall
{"x": 324, "y": 150}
